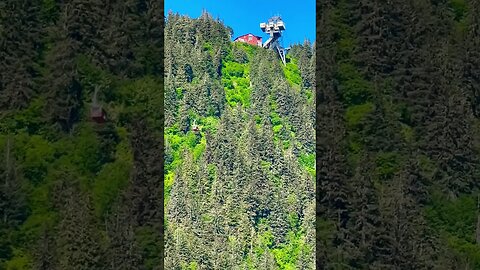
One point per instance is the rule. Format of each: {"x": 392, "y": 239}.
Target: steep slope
{"x": 75, "y": 194}
{"x": 239, "y": 192}
{"x": 397, "y": 135}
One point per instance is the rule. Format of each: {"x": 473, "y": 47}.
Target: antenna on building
{"x": 274, "y": 27}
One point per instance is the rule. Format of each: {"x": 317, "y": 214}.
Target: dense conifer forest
{"x": 398, "y": 134}
{"x": 239, "y": 151}
{"x": 397, "y": 139}
{"x": 76, "y": 194}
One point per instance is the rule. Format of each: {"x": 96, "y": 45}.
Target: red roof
{"x": 250, "y": 38}
{"x": 246, "y": 35}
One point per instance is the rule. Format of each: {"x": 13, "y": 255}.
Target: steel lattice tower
{"x": 274, "y": 28}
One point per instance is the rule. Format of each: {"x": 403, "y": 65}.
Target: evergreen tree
{"x": 13, "y": 204}
{"x": 18, "y": 51}
{"x": 77, "y": 242}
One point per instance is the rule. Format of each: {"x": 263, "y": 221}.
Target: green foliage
{"x": 392, "y": 153}
{"x": 209, "y": 123}
{"x": 193, "y": 266}
{"x": 387, "y": 164}
{"x": 92, "y": 75}
{"x": 266, "y": 241}
{"x": 62, "y": 66}
{"x": 238, "y": 91}
{"x": 85, "y": 152}
{"x": 236, "y": 83}
{"x": 292, "y": 73}
{"x": 277, "y": 128}
{"x": 208, "y": 197}
{"x": 308, "y": 162}
{"x": 38, "y": 220}
{"x": 354, "y": 89}
{"x": 91, "y": 190}
{"x": 142, "y": 95}
{"x": 168, "y": 183}
{"x": 459, "y": 8}
{"x": 456, "y": 221}
{"x": 191, "y": 140}
{"x": 110, "y": 181}
{"x": 465, "y": 249}
{"x": 199, "y": 149}
{"x": 325, "y": 228}
{"x": 20, "y": 261}
{"x": 30, "y": 119}
{"x": 408, "y": 133}
{"x": 356, "y": 113}
{"x": 148, "y": 239}
{"x": 286, "y": 256}
{"x": 275, "y": 119}
{"x": 49, "y": 10}
{"x": 207, "y": 46}
{"x": 346, "y": 47}
{"x": 456, "y": 217}
{"x": 426, "y": 165}
{"x": 36, "y": 154}
{"x": 233, "y": 69}
{"x": 249, "y": 49}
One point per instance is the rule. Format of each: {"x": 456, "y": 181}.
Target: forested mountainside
{"x": 75, "y": 194}
{"x": 398, "y": 134}
{"x": 239, "y": 192}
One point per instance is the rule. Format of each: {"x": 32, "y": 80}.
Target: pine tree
{"x": 62, "y": 85}
{"x": 44, "y": 253}
{"x": 13, "y": 205}
{"x": 123, "y": 251}
{"x": 364, "y": 225}
{"x": 18, "y": 51}
{"x": 77, "y": 241}
{"x": 409, "y": 244}
{"x": 144, "y": 196}
{"x": 471, "y": 57}
{"x": 125, "y": 27}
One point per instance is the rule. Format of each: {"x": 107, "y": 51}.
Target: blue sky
{"x": 245, "y": 16}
